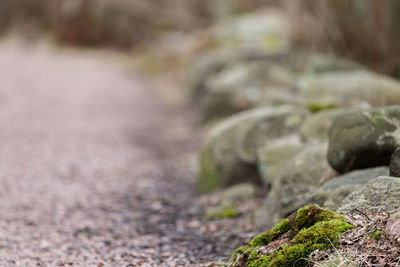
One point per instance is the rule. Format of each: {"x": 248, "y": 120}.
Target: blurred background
{"x": 362, "y": 30}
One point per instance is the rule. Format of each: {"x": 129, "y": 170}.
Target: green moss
{"x": 375, "y": 235}
{"x": 292, "y": 255}
{"x": 286, "y": 256}
{"x": 265, "y": 238}
{"x": 227, "y": 212}
{"x": 208, "y": 178}
{"x": 313, "y": 228}
{"x": 311, "y": 214}
{"x": 325, "y": 233}
{"x": 315, "y": 107}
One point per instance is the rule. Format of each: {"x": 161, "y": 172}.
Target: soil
{"x": 96, "y": 170}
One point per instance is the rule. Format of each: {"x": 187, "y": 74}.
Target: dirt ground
{"x": 94, "y": 169}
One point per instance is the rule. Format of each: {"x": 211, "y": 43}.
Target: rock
{"x": 316, "y": 63}
{"x": 203, "y": 67}
{"x": 242, "y": 85}
{"x": 395, "y": 163}
{"x": 285, "y": 120}
{"x": 266, "y": 29}
{"x": 273, "y": 157}
{"x": 210, "y": 63}
{"x": 235, "y": 88}
{"x": 306, "y": 172}
{"x": 316, "y": 127}
{"x": 224, "y": 83}
{"x": 364, "y": 139}
{"x": 349, "y": 88}
{"x": 380, "y": 194}
{"x": 220, "y": 164}
{"x": 332, "y": 193}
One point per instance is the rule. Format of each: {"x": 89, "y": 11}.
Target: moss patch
{"x": 311, "y": 214}
{"x": 264, "y": 238}
{"x": 325, "y": 233}
{"x": 313, "y": 228}
{"x": 315, "y": 107}
{"x": 375, "y": 235}
{"x": 208, "y": 178}
{"x": 227, "y": 212}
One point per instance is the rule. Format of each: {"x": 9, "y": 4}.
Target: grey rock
{"x": 286, "y": 120}
{"x": 316, "y": 127}
{"x": 274, "y": 156}
{"x": 226, "y": 82}
{"x": 363, "y": 139}
{"x": 332, "y": 193}
{"x": 306, "y": 172}
{"x": 220, "y": 163}
{"x": 349, "y": 88}
{"x": 380, "y": 194}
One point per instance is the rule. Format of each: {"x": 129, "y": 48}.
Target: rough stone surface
{"x": 241, "y": 86}
{"x": 285, "y": 120}
{"x": 332, "y": 193}
{"x": 395, "y": 163}
{"x": 304, "y": 173}
{"x": 274, "y": 156}
{"x": 349, "y": 88}
{"x": 363, "y": 139}
{"x": 211, "y": 63}
{"x": 220, "y": 165}
{"x": 380, "y": 194}
{"x": 316, "y": 127}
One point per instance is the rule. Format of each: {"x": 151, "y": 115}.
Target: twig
{"x": 362, "y": 213}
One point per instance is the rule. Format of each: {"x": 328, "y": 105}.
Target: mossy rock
{"x": 219, "y": 165}
{"x": 310, "y": 228}
{"x": 363, "y": 139}
{"x": 222, "y": 162}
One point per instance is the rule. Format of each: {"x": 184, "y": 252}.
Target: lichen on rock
{"x": 292, "y": 240}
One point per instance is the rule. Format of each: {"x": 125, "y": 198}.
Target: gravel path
{"x": 94, "y": 170}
